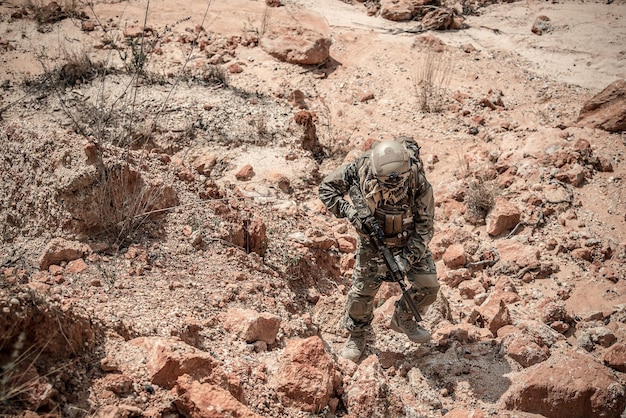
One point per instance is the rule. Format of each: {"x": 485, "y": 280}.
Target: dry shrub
{"x": 431, "y": 80}
{"x": 125, "y": 202}
{"x": 216, "y": 75}
{"x": 20, "y": 382}
{"x": 480, "y": 198}
{"x": 37, "y": 341}
{"x": 54, "y": 11}
{"x": 78, "y": 68}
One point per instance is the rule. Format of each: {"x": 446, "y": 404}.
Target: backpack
{"x": 418, "y": 178}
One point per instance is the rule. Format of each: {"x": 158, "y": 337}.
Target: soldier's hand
{"x": 353, "y": 217}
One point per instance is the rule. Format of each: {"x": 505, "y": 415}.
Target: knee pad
{"x": 426, "y": 287}
{"x": 360, "y": 310}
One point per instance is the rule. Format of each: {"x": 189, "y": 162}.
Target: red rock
{"x": 235, "y": 68}
{"x": 204, "y": 163}
{"x": 464, "y": 332}
{"x": 454, "y": 256}
{"x": 607, "y": 109}
{"x": 470, "y": 288}
{"x": 615, "y": 357}
{"x": 60, "y": 249}
{"x": 465, "y": 413}
{"x": 245, "y": 173}
{"x": 368, "y": 385}
{"x": 346, "y": 243}
{"x": 439, "y": 19}
{"x": 365, "y": 96}
{"x": 251, "y": 325}
{"x": 541, "y": 25}
{"x": 257, "y": 236}
{"x": 168, "y": 359}
{"x": 454, "y": 277}
{"x": 119, "y": 384}
{"x": 205, "y": 400}
{"x": 574, "y": 176}
{"x": 504, "y": 216}
{"x": 574, "y": 386}
{"x": 294, "y": 44}
{"x": 514, "y": 251}
{"x": 399, "y": 10}
{"x": 525, "y": 351}
{"x": 305, "y": 375}
{"x": 88, "y": 26}
{"x": 494, "y": 314}
{"x": 76, "y": 266}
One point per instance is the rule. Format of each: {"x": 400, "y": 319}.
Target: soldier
{"x": 391, "y": 182}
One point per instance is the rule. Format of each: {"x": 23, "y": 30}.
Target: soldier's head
{"x": 390, "y": 164}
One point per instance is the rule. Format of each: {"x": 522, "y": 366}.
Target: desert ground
{"x": 164, "y": 252}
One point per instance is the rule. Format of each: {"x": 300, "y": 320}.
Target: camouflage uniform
{"x": 413, "y": 204}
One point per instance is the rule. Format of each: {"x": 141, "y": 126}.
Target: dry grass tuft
{"x": 431, "y": 80}
{"x": 78, "y": 68}
{"x": 480, "y": 198}
{"x": 125, "y": 203}
{"x": 51, "y": 12}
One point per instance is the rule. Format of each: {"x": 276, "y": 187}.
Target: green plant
{"x": 431, "y": 80}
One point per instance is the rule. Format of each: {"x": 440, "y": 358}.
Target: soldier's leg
{"x": 423, "y": 291}
{"x": 360, "y": 305}
{"x": 424, "y": 284}
{"x": 365, "y": 285}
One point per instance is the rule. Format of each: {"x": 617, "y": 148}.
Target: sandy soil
{"x": 166, "y": 282}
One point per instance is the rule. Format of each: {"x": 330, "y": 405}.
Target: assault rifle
{"x": 394, "y": 274}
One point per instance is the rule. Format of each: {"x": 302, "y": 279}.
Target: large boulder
{"x": 204, "y": 400}
{"x": 575, "y": 386}
{"x": 251, "y": 325}
{"x": 288, "y": 39}
{"x": 607, "y": 109}
{"x": 305, "y": 377}
{"x": 167, "y": 359}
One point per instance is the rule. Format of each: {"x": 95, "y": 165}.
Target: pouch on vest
{"x": 394, "y": 221}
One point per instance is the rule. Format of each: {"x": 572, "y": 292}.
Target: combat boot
{"x": 405, "y": 323}
{"x": 354, "y": 347}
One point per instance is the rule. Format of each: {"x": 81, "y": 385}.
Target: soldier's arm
{"x": 335, "y": 187}
{"x": 423, "y": 219}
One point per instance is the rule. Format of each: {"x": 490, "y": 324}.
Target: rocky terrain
{"x": 164, "y": 252}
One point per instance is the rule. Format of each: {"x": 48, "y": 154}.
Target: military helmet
{"x": 390, "y": 163}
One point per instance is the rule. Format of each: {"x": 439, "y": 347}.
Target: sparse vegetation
{"x": 480, "y": 197}
{"x": 92, "y": 161}
{"x": 431, "y": 80}
{"x": 125, "y": 203}
{"x": 50, "y": 12}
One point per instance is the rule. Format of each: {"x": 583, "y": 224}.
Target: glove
{"x": 353, "y": 217}
{"x": 402, "y": 263}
